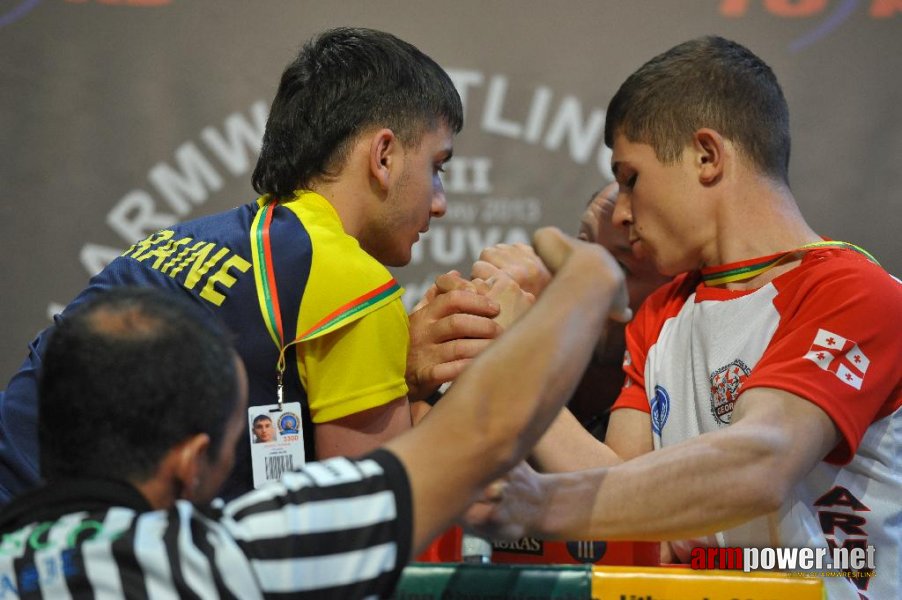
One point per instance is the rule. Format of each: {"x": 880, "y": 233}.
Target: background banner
{"x": 120, "y": 117}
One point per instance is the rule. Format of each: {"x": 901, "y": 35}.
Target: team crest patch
{"x": 660, "y": 409}
{"x": 837, "y": 355}
{"x": 726, "y": 382}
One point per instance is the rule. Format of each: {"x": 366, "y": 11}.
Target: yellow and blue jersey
{"x": 340, "y": 307}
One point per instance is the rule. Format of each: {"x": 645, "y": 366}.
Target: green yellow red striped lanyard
{"x": 269, "y": 296}
{"x": 747, "y": 269}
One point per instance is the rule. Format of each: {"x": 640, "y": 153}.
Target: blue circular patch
{"x": 289, "y": 423}
{"x": 660, "y": 409}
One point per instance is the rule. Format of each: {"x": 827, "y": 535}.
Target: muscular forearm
{"x": 699, "y": 487}
{"x": 703, "y": 485}
{"x": 567, "y": 446}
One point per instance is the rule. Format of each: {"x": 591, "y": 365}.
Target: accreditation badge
{"x": 277, "y": 440}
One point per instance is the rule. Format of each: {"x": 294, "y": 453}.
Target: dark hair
{"x": 261, "y": 418}
{"x": 342, "y": 82}
{"x": 706, "y": 82}
{"x": 128, "y": 376}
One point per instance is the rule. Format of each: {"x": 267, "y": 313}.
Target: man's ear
{"x": 384, "y": 146}
{"x": 178, "y": 474}
{"x": 189, "y": 460}
{"x": 710, "y": 151}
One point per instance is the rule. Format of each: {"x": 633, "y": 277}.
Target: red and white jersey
{"x": 829, "y": 331}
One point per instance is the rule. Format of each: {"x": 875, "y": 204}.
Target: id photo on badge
{"x": 262, "y": 429}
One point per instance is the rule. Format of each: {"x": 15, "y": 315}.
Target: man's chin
{"x": 672, "y": 269}
{"x": 394, "y": 259}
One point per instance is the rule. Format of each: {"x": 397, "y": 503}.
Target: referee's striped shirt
{"x": 336, "y": 529}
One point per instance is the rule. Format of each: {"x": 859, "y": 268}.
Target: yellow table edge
{"x": 678, "y": 583}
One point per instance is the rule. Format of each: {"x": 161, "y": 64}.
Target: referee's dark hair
{"x": 342, "y": 82}
{"x": 128, "y": 376}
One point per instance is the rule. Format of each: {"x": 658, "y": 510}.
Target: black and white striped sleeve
{"x": 338, "y": 528}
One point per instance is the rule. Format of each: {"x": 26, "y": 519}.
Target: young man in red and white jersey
{"x": 761, "y": 406}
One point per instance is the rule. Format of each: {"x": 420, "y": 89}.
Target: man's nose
{"x": 439, "y": 202}
{"x": 623, "y": 213}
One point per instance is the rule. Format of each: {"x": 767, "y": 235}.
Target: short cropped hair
{"x": 706, "y": 82}
{"x": 126, "y": 377}
{"x": 343, "y": 82}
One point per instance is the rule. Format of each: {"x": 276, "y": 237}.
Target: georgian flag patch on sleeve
{"x": 839, "y": 356}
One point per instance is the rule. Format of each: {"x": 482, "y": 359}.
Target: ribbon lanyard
{"x": 752, "y": 268}
{"x": 269, "y": 296}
